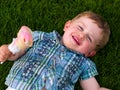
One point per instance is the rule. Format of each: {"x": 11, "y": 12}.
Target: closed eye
{"x": 80, "y": 28}
{"x": 89, "y": 38}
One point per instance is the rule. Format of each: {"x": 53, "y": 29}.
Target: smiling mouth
{"x": 76, "y": 40}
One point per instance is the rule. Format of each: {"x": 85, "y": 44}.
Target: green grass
{"x": 47, "y": 15}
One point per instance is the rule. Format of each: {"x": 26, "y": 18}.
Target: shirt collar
{"x": 57, "y": 36}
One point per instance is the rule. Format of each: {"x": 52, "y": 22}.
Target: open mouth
{"x": 76, "y": 40}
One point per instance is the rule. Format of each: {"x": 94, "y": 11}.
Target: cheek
{"x": 89, "y": 46}
{"x": 85, "y": 47}
{"x": 86, "y": 44}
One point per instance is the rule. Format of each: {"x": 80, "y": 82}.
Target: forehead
{"x": 86, "y": 22}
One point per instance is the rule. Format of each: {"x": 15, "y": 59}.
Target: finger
{"x": 3, "y": 56}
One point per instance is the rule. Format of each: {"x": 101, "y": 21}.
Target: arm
{"x": 91, "y": 84}
{"x": 18, "y": 46}
{"x": 16, "y": 55}
{"x": 5, "y": 54}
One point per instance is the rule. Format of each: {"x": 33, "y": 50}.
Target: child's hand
{"x": 4, "y": 53}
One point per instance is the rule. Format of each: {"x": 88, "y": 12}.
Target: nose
{"x": 82, "y": 36}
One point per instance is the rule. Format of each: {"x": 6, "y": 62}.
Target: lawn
{"x": 49, "y": 15}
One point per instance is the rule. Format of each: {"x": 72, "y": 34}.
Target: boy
{"x": 56, "y": 63}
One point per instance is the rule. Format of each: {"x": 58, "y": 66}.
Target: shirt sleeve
{"x": 43, "y": 35}
{"x": 89, "y": 70}
{"x": 37, "y": 35}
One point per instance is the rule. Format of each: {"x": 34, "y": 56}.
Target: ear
{"x": 91, "y": 54}
{"x": 67, "y": 24}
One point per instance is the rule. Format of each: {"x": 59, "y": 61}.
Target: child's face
{"x": 81, "y": 35}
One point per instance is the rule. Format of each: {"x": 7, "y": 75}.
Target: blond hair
{"x": 102, "y": 24}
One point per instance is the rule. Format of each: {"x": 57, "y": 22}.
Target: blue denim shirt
{"x": 49, "y": 64}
